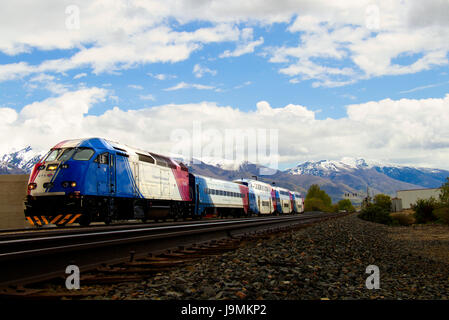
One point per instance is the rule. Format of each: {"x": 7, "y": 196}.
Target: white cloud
{"x": 147, "y": 97}
{"x": 245, "y": 44}
{"x": 47, "y": 82}
{"x": 135, "y": 86}
{"x": 162, "y": 76}
{"x": 246, "y": 83}
{"x": 403, "y": 131}
{"x": 433, "y": 85}
{"x": 336, "y": 45}
{"x": 42, "y": 123}
{"x": 80, "y": 75}
{"x": 199, "y": 71}
{"x": 184, "y": 85}
{"x": 157, "y": 44}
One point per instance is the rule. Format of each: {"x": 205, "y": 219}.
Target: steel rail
{"x": 26, "y": 260}
{"x": 29, "y": 233}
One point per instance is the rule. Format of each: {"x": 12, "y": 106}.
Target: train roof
{"x": 282, "y": 189}
{"x": 253, "y": 180}
{"x": 101, "y": 143}
{"x": 213, "y": 179}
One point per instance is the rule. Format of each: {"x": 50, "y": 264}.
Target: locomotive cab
{"x": 61, "y": 180}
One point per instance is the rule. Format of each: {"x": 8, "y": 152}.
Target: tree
{"x": 444, "y": 195}
{"x": 378, "y": 211}
{"x": 383, "y": 201}
{"x": 345, "y": 204}
{"x": 314, "y": 204}
{"x": 317, "y": 199}
{"x": 315, "y": 192}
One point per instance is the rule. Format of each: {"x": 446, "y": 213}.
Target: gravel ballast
{"x": 325, "y": 261}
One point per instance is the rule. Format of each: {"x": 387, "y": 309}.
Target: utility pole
{"x": 367, "y": 199}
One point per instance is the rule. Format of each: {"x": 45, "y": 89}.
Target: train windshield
{"x": 66, "y": 154}
{"x": 53, "y": 155}
{"x": 83, "y": 154}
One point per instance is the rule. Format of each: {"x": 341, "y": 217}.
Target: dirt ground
{"x": 429, "y": 240}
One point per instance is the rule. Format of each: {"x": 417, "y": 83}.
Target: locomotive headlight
{"x": 32, "y": 186}
{"x": 66, "y": 184}
{"x": 52, "y": 167}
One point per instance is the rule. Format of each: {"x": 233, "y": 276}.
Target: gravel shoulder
{"x": 325, "y": 261}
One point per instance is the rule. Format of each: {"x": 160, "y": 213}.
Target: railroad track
{"x": 129, "y": 251}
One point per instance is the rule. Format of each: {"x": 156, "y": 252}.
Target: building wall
{"x": 13, "y": 189}
{"x": 409, "y": 197}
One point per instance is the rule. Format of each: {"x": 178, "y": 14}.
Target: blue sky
{"x": 347, "y": 65}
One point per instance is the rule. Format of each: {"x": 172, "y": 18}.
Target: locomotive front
{"x": 57, "y": 184}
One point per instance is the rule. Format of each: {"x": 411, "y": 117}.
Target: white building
{"x": 409, "y": 197}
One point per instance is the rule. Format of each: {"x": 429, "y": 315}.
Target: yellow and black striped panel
{"x": 61, "y": 219}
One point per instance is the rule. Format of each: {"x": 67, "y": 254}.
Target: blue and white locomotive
{"x": 95, "y": 179}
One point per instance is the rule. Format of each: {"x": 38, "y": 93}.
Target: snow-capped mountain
{"x": 347, "y": 175}
{"x": 324, "y": 168}
{"x": 21, "y": 161}
{"x": 224, "y": 164}
{"x": 358, "y": 173}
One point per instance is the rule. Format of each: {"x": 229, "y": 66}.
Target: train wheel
{"x": 85, "y": 220}
{"x": 107, "y": 220}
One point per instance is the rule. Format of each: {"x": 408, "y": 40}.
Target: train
{"x": 98, "y": 180}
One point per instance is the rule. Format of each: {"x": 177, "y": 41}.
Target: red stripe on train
{"x": 33, "y": 174}
{"x": 182, "y": 181}
{"x": 244, "y": 190}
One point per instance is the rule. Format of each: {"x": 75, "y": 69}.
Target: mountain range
{"x": 348, "y": 176}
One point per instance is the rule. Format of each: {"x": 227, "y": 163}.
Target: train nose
{"x": 43, "y": 180}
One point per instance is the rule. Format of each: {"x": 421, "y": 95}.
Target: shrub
{"x": 335, "y": 208}
{"x": 402, "y": 219}
{"x": 375, "y": 213}
{"x": 314, "y": 204}
{"x": 424, "y": 210}
{"x": 383, "y": 201}
{"x": 345, "y": 204}
{"x": 442, "y": 214}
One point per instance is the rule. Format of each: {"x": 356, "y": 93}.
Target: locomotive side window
{"x": 83, "y": 154}
{"x": 103, "y": 158}
{"x": 145, "y": 158}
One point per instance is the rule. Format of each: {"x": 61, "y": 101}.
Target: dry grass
{"x": 404, "y": 218}
{"x": 429, "y": 240}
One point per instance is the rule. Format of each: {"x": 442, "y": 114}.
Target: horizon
{"x": 282, "y": 167}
